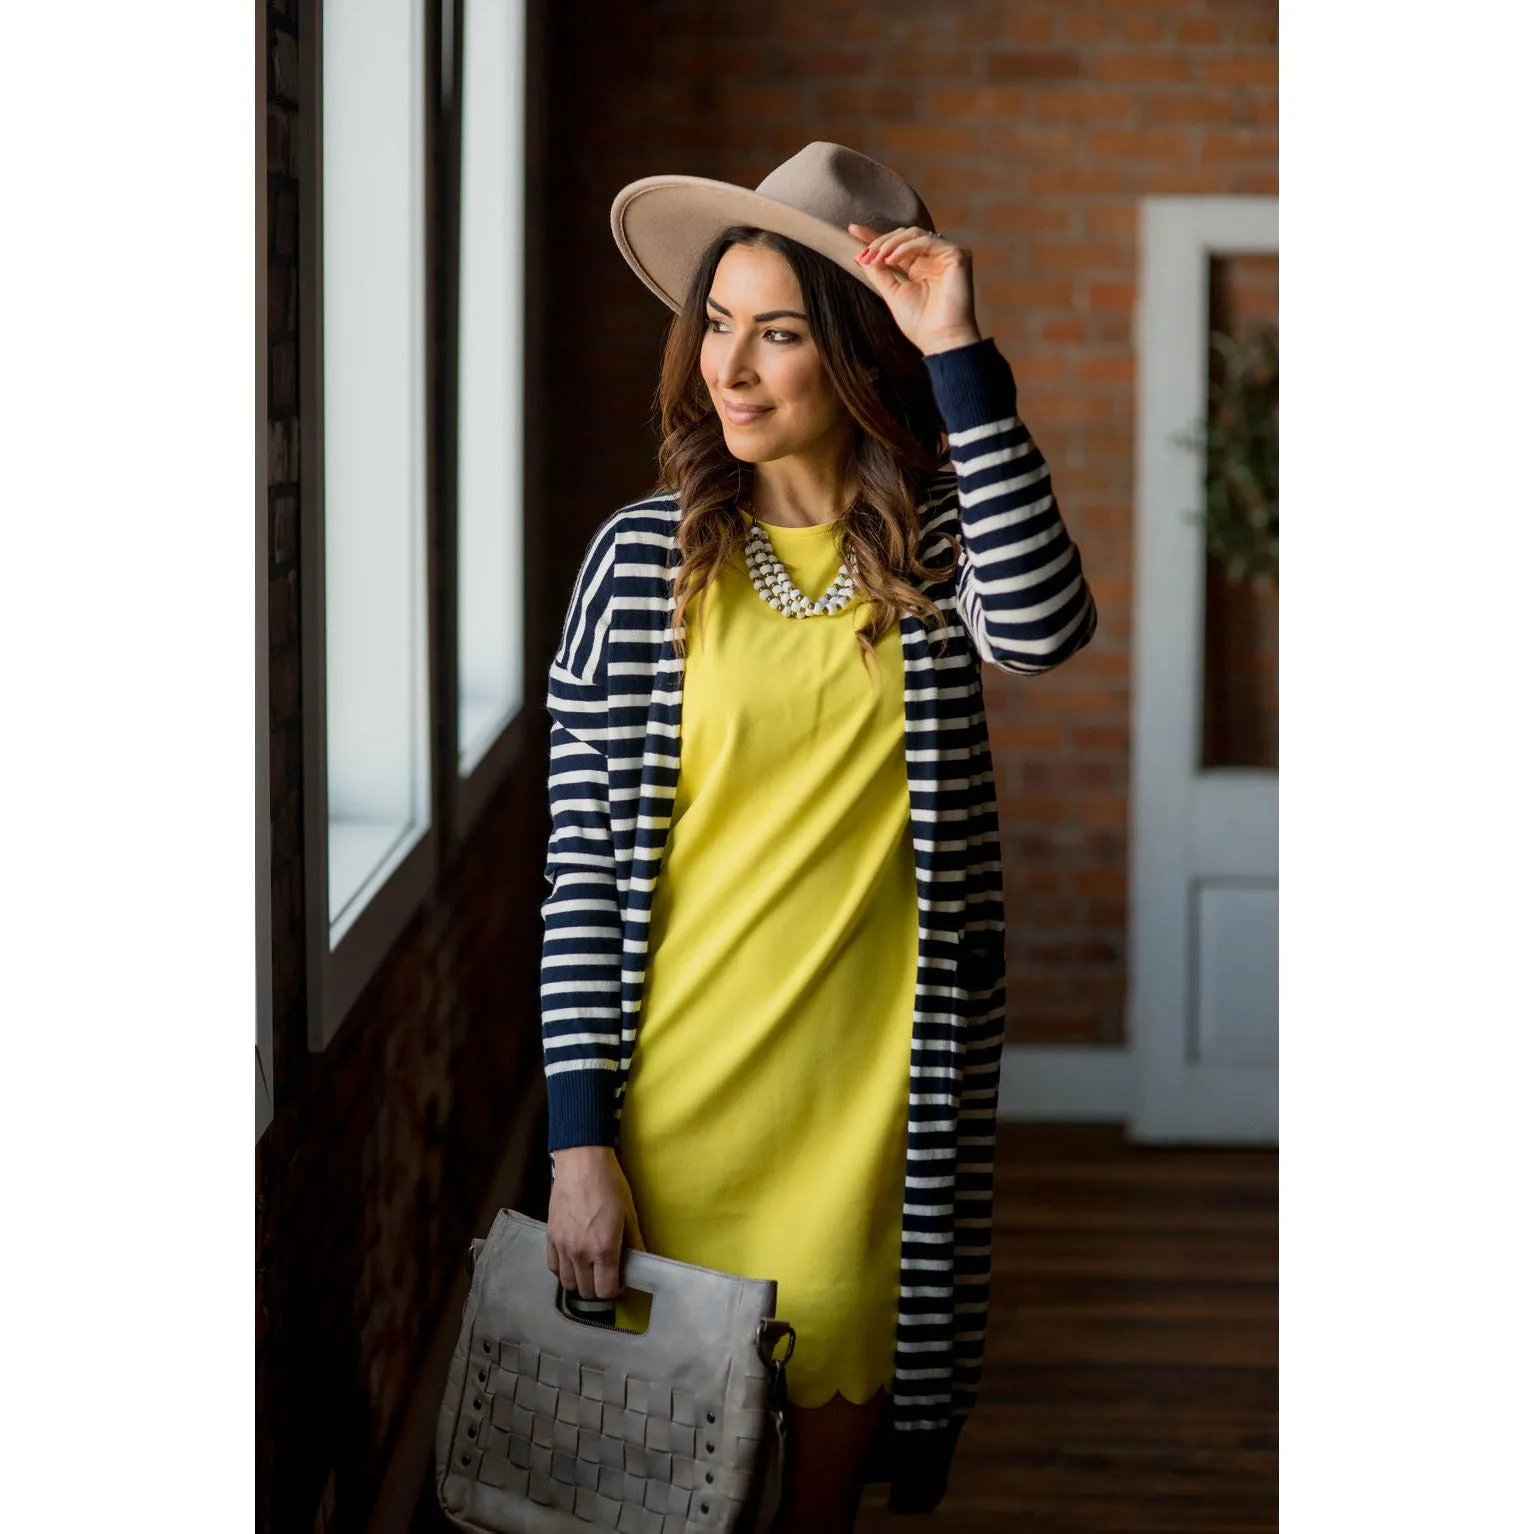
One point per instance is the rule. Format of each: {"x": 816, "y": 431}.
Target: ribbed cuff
{"x": 581, "y": 1109}
{"x": 972, "y": 384}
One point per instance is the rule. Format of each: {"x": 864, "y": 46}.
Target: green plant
{"x": 1239, "y": 441}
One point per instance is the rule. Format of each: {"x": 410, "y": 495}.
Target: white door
{"x": 1203, "y": 904}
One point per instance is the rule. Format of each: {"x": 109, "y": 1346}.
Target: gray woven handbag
{"x": 551, "y": 1424}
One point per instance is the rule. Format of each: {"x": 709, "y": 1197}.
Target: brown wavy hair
{"x": 899, "y": 440}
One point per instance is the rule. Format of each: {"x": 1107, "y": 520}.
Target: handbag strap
{"x": 769, "y": 1332}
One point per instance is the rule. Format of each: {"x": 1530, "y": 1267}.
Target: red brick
{"x": 860, "y": 26}
{"x": 939, "y": 64}
{"x": 1069, "y": 408}
{"x": 1049, "y": 808}
{"x": 1026, "y": 737}
{"x": 1026, "y": 215}
{"x": 1053, "y": 1027}
{"x": 1101, "y": 881}
{"x": 993, "y": 24}
{"x": 1140, "y": 67}
{"x": 1027, "y": 142}
{"x": 1111, "y": 295}
{"x": 941, "y": 179}
{"x": 1198, "y": 32}
{"x": 978, "y": 101}
{"x": 1033, "y": 66}
{"x": 1033, "y": 29}
{"x": 1254, "y": 31}
{"x": 763, "y": 101}
{"x": 842, "y": 62}
{"x": 1048, "y": 368}
{"x": 1121, "y": 222}
{"x": 1102, "y": 663}
{"x": 1109, "y": 740}
{"x": 922, "y": 139}
{"x": 1218, "y": 147}
{"x": 1099, "y": 180}
{"x": 800, "y": 25}
{"x": 1074, "y": 258}
{"x": 1164, "y": 107}
{"x": 1081, "y": 106}
{"x": 1064, "y": 332}
{"x": 1032, "y": 295}
{"x": 1103, "y": 809}
{"x": 1106, "y": 370}
{"x": 1262, "y": 71}
{"x": 1112, "y": 144}
{"x": 1078, "y": 481}
{"x": 1075, "y": 703}
{"x": 884, "y": 101}
{"x": 1184, "y": 180}
{"x": 1085, "y": 26}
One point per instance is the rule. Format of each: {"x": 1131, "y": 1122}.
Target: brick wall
{"x": 369, "y": 1177}
{"x": 1030, "y": 128}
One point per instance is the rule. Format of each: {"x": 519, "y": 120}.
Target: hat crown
{"x": 841, "y": 186}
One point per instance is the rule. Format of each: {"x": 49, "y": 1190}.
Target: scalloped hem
{"x": 835, "y": 1393}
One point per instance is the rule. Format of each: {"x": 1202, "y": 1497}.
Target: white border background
{"x": 126, "y": 634}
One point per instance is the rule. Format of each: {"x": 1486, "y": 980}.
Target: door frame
{"x": 1177, "y": 237}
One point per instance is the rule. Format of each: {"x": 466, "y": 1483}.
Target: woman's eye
{"x": 787, "y": 335}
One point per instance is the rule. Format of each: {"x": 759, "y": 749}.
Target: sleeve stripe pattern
{"x": 1022, "y": 594}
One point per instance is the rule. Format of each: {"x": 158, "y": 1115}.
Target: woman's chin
{"x": 748, "y": 449}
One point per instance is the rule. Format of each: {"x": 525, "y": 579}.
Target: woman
{"x": 772, "y": 948}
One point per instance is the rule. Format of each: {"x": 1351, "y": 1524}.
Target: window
{"x": 371, "y": 851}
{"x": 490, "y": 380}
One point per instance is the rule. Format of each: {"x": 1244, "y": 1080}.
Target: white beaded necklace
{"x": 776, "y": 587}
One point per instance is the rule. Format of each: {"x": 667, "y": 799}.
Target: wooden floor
{"x": 1131, "y": 1367}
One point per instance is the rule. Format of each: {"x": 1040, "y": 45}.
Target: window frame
{"x": 336, "y": 978}
{"x": 265, "y": 1101}
{"x": 468, "y": 793}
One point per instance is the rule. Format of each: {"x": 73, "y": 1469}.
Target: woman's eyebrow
{"x": 771, "y": 314}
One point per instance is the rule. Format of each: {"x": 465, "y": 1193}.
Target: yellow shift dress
{"x": 764, "y": 1123}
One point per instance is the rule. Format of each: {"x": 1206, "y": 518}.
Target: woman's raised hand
{"x": 926, "y": 281}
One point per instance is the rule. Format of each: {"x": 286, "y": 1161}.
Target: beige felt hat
{"x": 663, "y": 224}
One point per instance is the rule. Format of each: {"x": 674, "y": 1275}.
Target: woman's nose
{"x": 735, "y": 365}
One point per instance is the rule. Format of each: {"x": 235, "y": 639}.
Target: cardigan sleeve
{"x": 580, "y": 967}
{"x": 1022, "y": 594}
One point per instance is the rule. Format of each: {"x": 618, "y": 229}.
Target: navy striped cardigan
{"x": 1017, "y": 599}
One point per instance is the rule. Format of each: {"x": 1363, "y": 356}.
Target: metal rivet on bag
{"x": 482, "y": 1376}
{"x": 472, "y": 1430}
{"x": 711, "y": 1416}
{"x": 710, "y": 1448}
{"x": 705, "y": 1507}
{"x": 466, "y": 1459}
{"x": 708, "y": 1475}
{"x": 485, "y": 1346}
{"x": 477, "y": 1403}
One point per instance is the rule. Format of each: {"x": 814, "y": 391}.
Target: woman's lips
{"x": 743, "y": 417}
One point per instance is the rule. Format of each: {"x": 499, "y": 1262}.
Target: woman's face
{"x": 757, "y": 351}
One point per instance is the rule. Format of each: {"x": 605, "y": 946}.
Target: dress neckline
{"x": 794, "y": 532}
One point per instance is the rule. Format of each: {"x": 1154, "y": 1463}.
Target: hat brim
{"x": 663, "y": 224}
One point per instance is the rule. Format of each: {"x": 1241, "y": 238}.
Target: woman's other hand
{"x": 591, "y": 1220}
